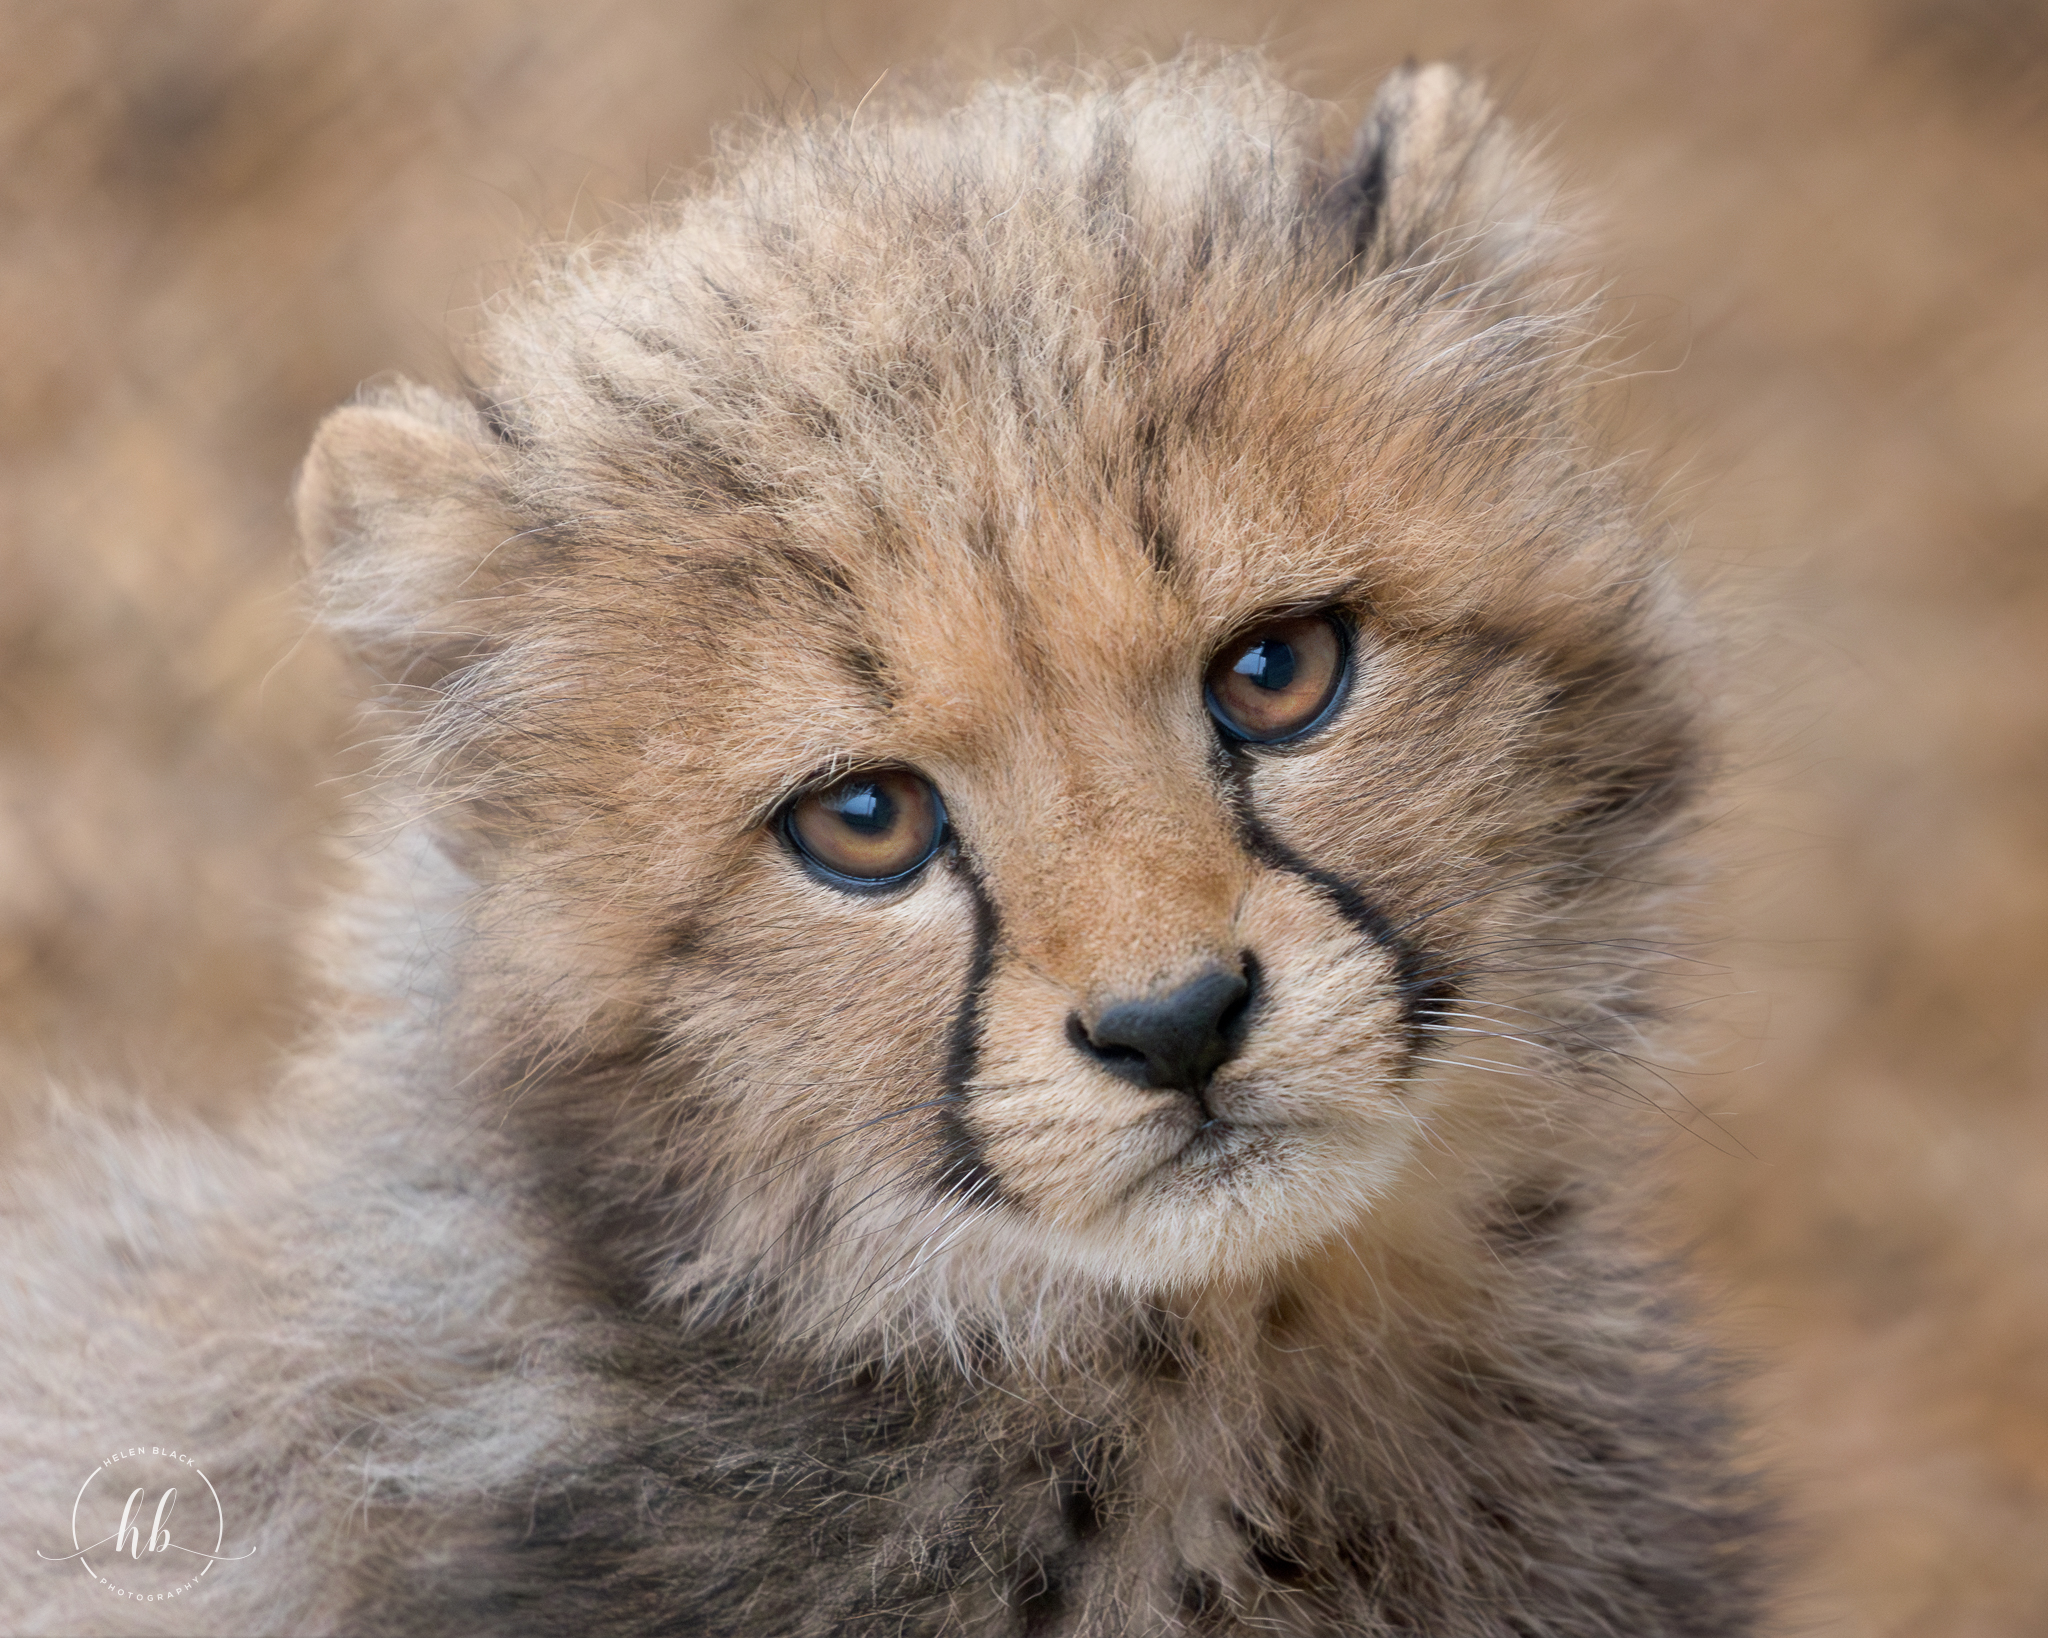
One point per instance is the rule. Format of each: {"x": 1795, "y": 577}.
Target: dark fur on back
{"x": 737, "y": 1495}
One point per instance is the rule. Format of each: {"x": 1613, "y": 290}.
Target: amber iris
{"x": 870, "y": 830}
{"x": 1279, "y": 679}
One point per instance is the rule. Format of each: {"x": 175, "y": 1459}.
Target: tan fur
{"x": 960, "y": 439}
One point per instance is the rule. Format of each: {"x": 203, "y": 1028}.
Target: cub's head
{"x": 1044, "y": 690}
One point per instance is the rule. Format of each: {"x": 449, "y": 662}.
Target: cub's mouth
{"x": 1219, "y": 1151}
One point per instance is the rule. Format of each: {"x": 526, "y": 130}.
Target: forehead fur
{"x": 896, "y": 348}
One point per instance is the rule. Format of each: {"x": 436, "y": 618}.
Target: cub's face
{"x": 1069, "y": 905}
{"x": 990, "y": 741}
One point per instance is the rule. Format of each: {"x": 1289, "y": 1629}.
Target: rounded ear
{"x": 1440, "y": 185}
{"x": 400, "y": 515}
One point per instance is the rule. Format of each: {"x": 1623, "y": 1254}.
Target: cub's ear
{"x": 401, "y": 518}
{"x": 1439, "y": 184}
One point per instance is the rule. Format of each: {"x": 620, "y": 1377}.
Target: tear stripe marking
{"x": 1419, "y": 978}
{"x": 963, "y": 1170}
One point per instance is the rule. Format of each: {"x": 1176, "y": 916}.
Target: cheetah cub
{"x": 1030, "y": 754}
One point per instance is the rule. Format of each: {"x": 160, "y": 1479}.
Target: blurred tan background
{"x": 1829, "y": 222}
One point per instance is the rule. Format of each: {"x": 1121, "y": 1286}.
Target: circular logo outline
{"x": 81, "y": 1550}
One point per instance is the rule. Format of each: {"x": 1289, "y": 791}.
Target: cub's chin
{"x": 1189, "y": 1201}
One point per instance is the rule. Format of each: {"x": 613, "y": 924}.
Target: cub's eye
{"x": 868, "y": 831}
{"x": 1280, "y": 679}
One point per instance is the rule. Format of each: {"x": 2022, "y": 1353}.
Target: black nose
{"x": 1175, "y": 1041}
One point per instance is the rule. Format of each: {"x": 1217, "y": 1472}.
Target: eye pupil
{"x": 1268, "y": 665}
{"x": 865, "y": 808}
